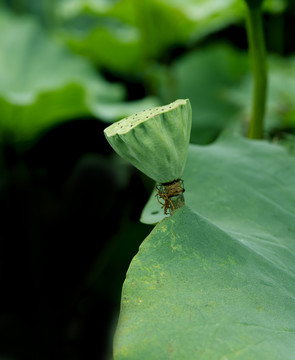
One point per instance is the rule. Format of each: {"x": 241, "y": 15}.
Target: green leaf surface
{"x": 107, "y": 42}
{"x": 127, "y": 35}
{"x": 216, "y": 279}
{"x": 42, "y": 83}
{"x": 122, "y": 35}
{"x": 205, "y": 77}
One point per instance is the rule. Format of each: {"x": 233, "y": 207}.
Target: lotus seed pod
{"x": 155, "y": 141}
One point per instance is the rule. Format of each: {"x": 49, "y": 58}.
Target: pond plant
{"x": 215, "y": 277}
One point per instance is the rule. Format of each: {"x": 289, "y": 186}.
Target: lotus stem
{"x": 259, "y": 66}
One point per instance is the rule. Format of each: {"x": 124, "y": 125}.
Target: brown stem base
{"x": 170, "y": 195}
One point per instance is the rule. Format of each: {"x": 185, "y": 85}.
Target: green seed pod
{"x": 155, "y": 141}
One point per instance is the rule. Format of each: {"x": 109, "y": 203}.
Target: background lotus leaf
{"x": 42, "y": 83}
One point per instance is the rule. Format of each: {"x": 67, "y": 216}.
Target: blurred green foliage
{"x": 281, "y": 104}
{"x": 144, "y": 42}
{"x": 42, "y": 82}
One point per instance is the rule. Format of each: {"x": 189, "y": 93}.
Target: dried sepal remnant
{"x": 170, "y": 196}
{"x": 155, "y": 141}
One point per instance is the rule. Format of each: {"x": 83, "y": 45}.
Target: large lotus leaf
{"x": 42, "y": 83}
{"x": 125, "y": 36}
{"x": 159, "y": 25}
{"x": 199, "y": 17}
{"x": 205, "y": 76}
{"x": 128, "y": 35}
{"x": 216, "y": 279}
